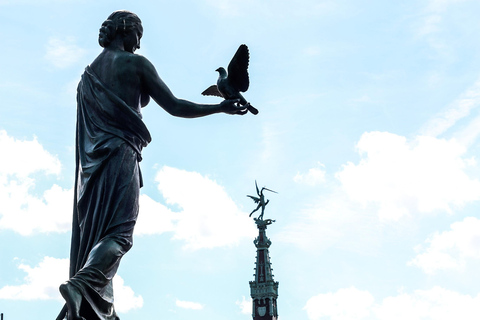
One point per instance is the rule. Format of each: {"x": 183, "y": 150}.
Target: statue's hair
{"x": 121, "y": 21}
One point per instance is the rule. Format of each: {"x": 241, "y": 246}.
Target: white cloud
{"x": 154, "y": 217}
{"x": 25, "y": 157}
{"x": 334, "y": 221}
{"x": 396, "y": 178}
{"x": 21, "y": 210}
{"x": 458, "y": 109}
{"x": 403, "y": 177}
{"x": 434, "y": 20}
{"x": 41, "y": 282}
{"x": 245, "y": 305}
{"x": 25, "y": 213}
{"x": 345, "y": 304}
{"x": 450, "y": 249}
{"x": 433, "y": 304}
{"x": 188, "y": 305}
{"x": 207, "y": 212}
{"x": 313, "y": 177}
{"x": 394, "y": 181}
{"x": 125, "y": 298}
{"x": 63, "y": 53}
{"x": 206, "y": 207}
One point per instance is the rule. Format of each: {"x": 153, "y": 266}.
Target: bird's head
{"x": 222, "y": 72}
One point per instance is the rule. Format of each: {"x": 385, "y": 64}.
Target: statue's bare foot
{"x": 73, "y": 297}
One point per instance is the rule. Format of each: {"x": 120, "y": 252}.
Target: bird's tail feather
{"x": 251, "y": 108}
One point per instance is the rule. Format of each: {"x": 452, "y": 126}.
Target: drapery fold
{"x": 109, "y": 140}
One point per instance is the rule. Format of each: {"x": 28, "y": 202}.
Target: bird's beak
{"x": 218, "y": 70}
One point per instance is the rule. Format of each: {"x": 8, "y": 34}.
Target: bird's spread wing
{"x": 212, "y": 91}
{"x": 238, "y": 69}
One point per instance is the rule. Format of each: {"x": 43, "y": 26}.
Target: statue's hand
{"x": 231, "y": 106}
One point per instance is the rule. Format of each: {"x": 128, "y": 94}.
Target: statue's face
{"x": 131, "y": 40}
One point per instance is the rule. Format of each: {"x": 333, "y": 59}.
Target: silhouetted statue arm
{"x": 153, "y": 85}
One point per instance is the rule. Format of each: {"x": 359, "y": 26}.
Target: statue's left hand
{"x": 231, "y": 107}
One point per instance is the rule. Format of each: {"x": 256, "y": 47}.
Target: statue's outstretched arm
{"x": 153, "y": 85}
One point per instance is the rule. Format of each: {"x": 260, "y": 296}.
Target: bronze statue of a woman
{"x": 109, "y": 140}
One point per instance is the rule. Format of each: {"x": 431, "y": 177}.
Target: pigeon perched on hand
{"x": 230, "y": 85}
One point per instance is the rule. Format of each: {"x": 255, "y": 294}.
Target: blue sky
{"x": 368, "y": 129}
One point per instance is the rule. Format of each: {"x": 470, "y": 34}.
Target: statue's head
{"x": 119, "y": 23}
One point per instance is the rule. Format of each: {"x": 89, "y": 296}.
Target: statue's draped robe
{"x": 109, "y": 139}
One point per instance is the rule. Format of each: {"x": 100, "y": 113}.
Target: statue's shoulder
{"x": 127, "y": 57}
{"x": 142, "y": 61}
{"x": 135, "y": 57}
{"x": 118, "y": 59}
{"x": 130, "y": 63}
{"x": 143, "y": 66}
